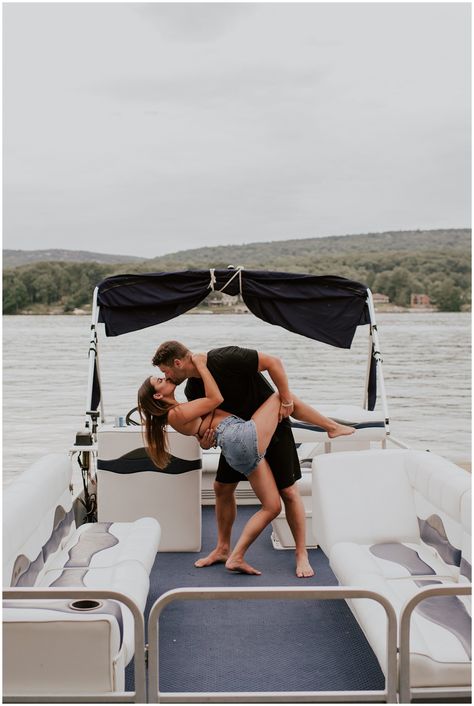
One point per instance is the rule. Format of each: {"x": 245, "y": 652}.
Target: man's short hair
{"x": 167, "y": 353}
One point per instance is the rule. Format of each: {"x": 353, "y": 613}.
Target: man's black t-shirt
{"x": 244, "y": 389}
{"x": 235, "y": 370}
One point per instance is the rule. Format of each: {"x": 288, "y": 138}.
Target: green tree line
{"x": 49, "y": 284}
{"x": 443, "y": 274}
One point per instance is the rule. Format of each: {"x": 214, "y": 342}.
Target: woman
{"x": 243, "y": 443}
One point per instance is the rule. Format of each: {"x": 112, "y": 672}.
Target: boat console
{"x": 129, "y": 486}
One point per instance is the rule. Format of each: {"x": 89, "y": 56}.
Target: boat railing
{"x": 406, "y": 692}
{"x": 113, "y": 697}
{"x": 388, "y": 695}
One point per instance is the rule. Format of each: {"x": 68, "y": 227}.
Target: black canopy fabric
{"x": 324, "y": 308}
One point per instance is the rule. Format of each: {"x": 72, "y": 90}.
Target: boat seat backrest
{"x": 380, "y": 496}
{"x": 438, "y": 488}
{"x": 363, "y": 497}
{"x": 38, "y": 517}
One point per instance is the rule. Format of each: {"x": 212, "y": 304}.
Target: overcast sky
{"x": 142, "y": 129}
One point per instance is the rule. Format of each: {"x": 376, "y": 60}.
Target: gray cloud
{"x": 159, "y": 127}
{"x": 194, "y": 22}
{"x": 250, "y": 85}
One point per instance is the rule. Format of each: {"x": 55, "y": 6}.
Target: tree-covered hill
{"x": 298, "y": 252}
{"x": 437, "y": 263}
{"x": 17, "y": 258}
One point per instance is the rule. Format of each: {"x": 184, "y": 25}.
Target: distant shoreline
{"x": 380, "y": 309}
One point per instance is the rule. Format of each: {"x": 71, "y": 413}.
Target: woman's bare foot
{"x": 241, "y": 567}
{"x": 217, "y": 556}
{"x": 340, "y": 430}
{"x": 303, "y": 568}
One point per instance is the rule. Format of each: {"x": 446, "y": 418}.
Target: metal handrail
{"x": 389, "y": 694}
{"x": 404, "y": 638}
{"x": 137, "y": 696}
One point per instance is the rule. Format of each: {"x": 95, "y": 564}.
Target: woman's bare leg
{"x": 264, "y": 486}
{"x": 226, "y": 512}
{"x": 305, "y": 413}
{"x": 266, "y": 419}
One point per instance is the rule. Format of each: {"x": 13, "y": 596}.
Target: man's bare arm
{"x": 275, "y": 369}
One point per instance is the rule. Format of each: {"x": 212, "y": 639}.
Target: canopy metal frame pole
{"x": 94, "y": 359}
{"x": 365, "y": 401}
{"x": 374, "y": 337}
{"x": 389, "y": 694}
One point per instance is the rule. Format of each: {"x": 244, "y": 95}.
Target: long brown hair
{"x": 154, "y": 416}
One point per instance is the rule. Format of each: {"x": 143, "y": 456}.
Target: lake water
{"x": 426, "y": 368}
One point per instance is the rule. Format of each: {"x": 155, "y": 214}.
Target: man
{"x": 237, "y": 372}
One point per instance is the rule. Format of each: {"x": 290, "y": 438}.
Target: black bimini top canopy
{"x": 324, "y": 308}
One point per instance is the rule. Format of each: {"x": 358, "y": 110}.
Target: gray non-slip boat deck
{"x": 246, "y": 645}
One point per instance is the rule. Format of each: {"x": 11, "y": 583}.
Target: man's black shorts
{"x": 281, "y": 456}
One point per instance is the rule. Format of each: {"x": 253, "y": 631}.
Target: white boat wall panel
{"x": 129, "y": 487}
{"x": 47, "y": 654}
{"x": 366, "y": 509}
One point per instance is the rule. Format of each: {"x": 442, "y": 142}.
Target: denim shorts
{"x": 238, "y": 441}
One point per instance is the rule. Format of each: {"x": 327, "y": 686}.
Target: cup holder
{"x": 85, "y": 604}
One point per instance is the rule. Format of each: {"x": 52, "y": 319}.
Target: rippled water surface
{"x": 426, "y": 367}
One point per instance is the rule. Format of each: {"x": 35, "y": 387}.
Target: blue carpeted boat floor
{"x": 256, "y": 645}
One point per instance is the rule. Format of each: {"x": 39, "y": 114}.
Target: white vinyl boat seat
{"x": 311, "y": 440}
{"x": 42, "y": 547}
{"x": 396, "y": 522}
{"x": 129, "y": 485}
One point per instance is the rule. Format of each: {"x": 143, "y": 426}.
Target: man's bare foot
{"x": 303, "y": 568}
{"x": 240, "y": 566}
{"x": 340, "y": 430}
{"x": 215, "y": 557}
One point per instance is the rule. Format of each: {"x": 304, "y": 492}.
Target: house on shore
{"x": 420, "y": 301}
{"x": 380, "y": 298}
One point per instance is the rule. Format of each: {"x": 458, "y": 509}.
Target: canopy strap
{"x": 213, "y": 279}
